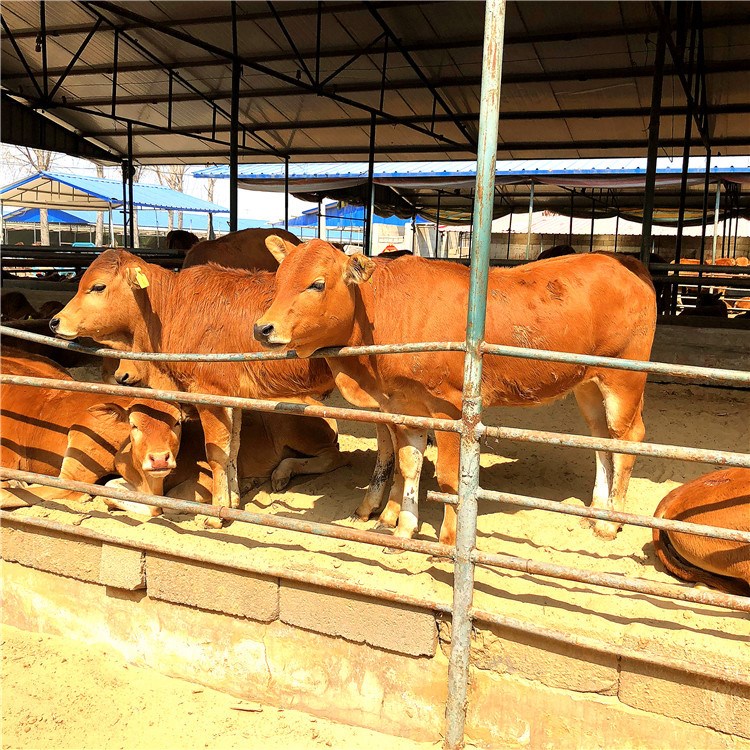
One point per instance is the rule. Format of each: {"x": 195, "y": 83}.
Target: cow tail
{"x": 681, "y": 568}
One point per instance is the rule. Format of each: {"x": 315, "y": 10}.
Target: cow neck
{"x": 153, "y": 304}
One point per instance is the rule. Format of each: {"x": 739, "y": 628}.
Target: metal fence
{"x": 464, "y": 555}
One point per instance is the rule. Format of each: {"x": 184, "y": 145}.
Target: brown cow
{"x": 49, "y": 309}
{"x": 720, "y": 499}
{"x": 558, "y": 251}
{"x": 589, "y": 304}
{"x": 15, "y": 306}
{"x": 126, "y": 303}
{"x": 246, "y": 249}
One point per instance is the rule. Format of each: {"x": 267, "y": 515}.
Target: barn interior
{"x": 267, "y": 87}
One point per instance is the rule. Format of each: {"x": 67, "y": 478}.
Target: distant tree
{"x": 29, "y": 161}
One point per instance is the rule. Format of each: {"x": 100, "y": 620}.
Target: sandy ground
{"x": 58, "y": 694}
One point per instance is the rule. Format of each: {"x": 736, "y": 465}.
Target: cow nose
{"x": 122, "y": 378}
{"x": 54, "y": 324}
{"x": 262, "y": 331}
{"x": 161, "y": 461}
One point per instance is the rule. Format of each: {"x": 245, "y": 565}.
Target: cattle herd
{"x": 260, "y": 290}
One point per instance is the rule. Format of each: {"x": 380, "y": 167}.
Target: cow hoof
{"x": 209, "y": 522}
{"x": 393, "y": 551}
{"x": 606, "y": 530}
{"x": 280, "y": 481}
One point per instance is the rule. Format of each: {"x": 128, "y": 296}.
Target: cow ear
{"x": 278, "y": 247}
{"x": 358, "y": 269}
{"x": 109, "y": 411}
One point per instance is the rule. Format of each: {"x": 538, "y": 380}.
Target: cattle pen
{"x": 127, "y": 563}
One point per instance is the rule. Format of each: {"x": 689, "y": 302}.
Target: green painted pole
{"x": 463, "y": 587}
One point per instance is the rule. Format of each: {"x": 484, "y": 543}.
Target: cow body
{"x": 720, "y": 499}
{"x": 245, "y": 249}
{"x": 15, "y": 306}
{"x": 589, "y": 304}
{"x": 125, "y": 303}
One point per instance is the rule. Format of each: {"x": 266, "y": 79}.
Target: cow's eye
{"x": 318, "y": 285}
{"x": 98, "y": 288}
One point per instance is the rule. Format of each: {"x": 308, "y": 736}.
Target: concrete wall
{"x": 349, "y": 658}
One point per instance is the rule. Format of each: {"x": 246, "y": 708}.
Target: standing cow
{"x": 245, "y": 249}
{"x": 587, "y": 304}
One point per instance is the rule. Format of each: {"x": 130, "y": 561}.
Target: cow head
{"x": 105, "y": 305}
{"x": 315, "y": 297}
{"x": 155, "y": 430}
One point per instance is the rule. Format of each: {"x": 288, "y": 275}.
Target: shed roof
{"x": 575, "y": 83}
{"x": 54, "y": 190}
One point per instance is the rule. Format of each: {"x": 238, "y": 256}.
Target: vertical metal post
{"x": 531, "y": 216}
{"x": 653, "y": 146}
{"x": 437, "y": 228}
{"x": 320, "y": 225}
{"x": 593, "y": 216}
{"x": 572, "y": 208}
{"x": 463, "y": 588}
{"x": 510, "y": 225}
{"x": 125, "y": 234}
{"x": 617, "y": 229}
{"x": 369, "y": 209}
{"x": 717, "y": 207}
{"x": 286, "y": 193}
{"x": 131, "y": 174}
{"x": 112, "y": 242}
{"x": 234, "y": 133}
{"x": 413, "y": 233}
{"x": 706, "y": 188}
{"x": 43, "y": 35}
{"x": 736, "y": 229}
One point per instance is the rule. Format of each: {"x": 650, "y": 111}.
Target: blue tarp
{"x": 55, "y": 216}
{"x": 341, "y": 217}
{"x": 56, "y": 190}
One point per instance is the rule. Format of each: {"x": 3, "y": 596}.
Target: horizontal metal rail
{"x": 230, "y": 514}
{"x": 508, "y": 562}
{"x": 734, "y": 676}
{"x": 651, "y": 522}
{"x": 710, "y": 374}
{"x": 232, "y": 402}
{"x": 700, "y": 455}
{"x": 612, "y": 581}
{"x": 339, "y": 351}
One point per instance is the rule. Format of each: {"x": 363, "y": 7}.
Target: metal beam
{"x": 361, "y": 122}
{"x": 300, "y": 88}
{"x": 430, "y": 148}
{"x": 22, "y": 59}
{"x": 234, "y": 140}
{"x": 74, "y": 59}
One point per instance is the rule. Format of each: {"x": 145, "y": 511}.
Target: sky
{"x": 253, "y": 204}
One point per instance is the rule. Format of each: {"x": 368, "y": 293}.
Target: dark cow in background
{"x": 179, "y": 239}
{"x": 15, "y": 306}
{"x": 246, "y": 249}
{"x": 708, "y": 305}
{"x": 556, "y": 252}
{"x": 720, "y": 499}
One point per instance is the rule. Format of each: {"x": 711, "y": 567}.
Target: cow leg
{"x": 591, "y": 404}
{"x": 411, "y": 446}
{"x": 623, "y": 401}
{"x": 221, "y": 431}
{"x": 389, "y": 515}
{"x": 448, "y": 449}
{"x": 381, "y": 475}
{"x": 327, "y": 460}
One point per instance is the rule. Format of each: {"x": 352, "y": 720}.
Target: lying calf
{"x": 721, "y": 499}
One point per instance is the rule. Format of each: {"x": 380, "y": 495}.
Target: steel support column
{"x": 593, "y": 216}
{"x": 125, "y": 222}
{"x": 706, "y": 188}
{"x": 510, "y": 225}
{"x": 286, "y": 193}
{"x": 131, "y": 174}
{"x": 437, "y": 227}
{"x": 370, "y": 207}
{"x": 653, "y": 146}
{"x": 531, "y": 217}
{"x": 617, "y": 229}
{"x": 458, "y": 672}
{"x": 717, "y": 207}
{"x": 234, "y": 133}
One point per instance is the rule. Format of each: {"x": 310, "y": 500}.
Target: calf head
{"x": 155, "y": 429}
{"x": 315, "y": 298}
{"x": 105, "y": 307}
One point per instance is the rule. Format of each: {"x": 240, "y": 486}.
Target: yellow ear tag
{"x": 140, "y": 277}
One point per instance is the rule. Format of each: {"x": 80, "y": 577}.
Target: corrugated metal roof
{"x": 51, "y": 189}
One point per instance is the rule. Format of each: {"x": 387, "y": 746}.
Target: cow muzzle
{"x": 268, "y": 336}
{"x": 159, "y": 464}
{"x": 56, "y": 327}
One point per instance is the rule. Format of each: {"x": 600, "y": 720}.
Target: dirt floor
{"x": 58, "y": 694}
{"x": 678, "y": 414}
